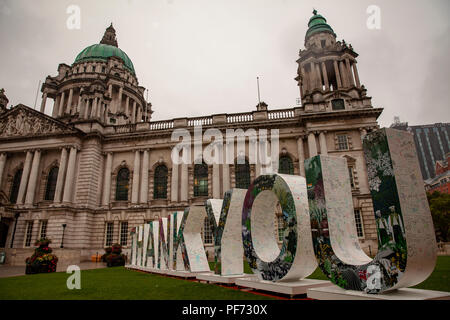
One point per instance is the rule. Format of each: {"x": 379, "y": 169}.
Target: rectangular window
{"x": 28, "y": 233}
{"x": 43, "y": 229}
{"x": 359, "y": 225}
{"x": 207, "y": 233}
{"x": 280, "y": 227}
{"x": 201, "y": 187}
{"x": 109, "y": 234}
{"x": 342, "y": 141}
{"x": 123, "y": 233}
{"x": 352, "y": 178}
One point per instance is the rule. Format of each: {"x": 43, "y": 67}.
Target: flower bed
{"x": 42, "y": 261}
{"x": 113, "y": 256}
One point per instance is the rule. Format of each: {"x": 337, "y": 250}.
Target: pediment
{"x": 22, "y": 121}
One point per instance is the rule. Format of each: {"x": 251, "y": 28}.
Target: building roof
{"x": 105, "y": 49}
{"x": 432, "y": 181}
{"x": 103, "y": 52}
{"x": 318, "y": 24}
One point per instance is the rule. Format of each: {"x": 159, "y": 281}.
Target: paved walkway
{"x": 13, "y": 271}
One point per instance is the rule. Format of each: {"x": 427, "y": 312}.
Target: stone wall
{"x": 17, "y": 256}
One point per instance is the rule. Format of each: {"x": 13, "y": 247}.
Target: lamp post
{"x": 15, "y": 226}
{"x": 62, "y": 240}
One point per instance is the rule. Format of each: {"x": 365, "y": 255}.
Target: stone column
{"x": 99, "y": 108}
{"x": 69, "y": 101}
{"x": 305, "y": 80}
{"x": 136, "y": 176}
{"x": 184, "y": 183}
{"x": 133, "y": 116}
{"x": 312, "y": 145}
{"x": 24, "y": 179}
{"x": 107, "y": 179}
{"x": 337, "y": 74}
{"x": 44, "y": 101}
{"x": 61, "y": 104}
{"x": 70, "y": 175}
{"x": 349, "y": 72}
{"x": 323, "y": 143}
{"x": 325, "y": 76}
{"x": 355, "y": 71}
{"x": 216, "y": 181}
{"x": 257, "y": 169}
{"x": 139, "y": 114}
{"x": 2, "y": 165}
{"x": 94, "y": 108}
{"x": 56, "y": 107}
{"x": 174, "y": 185}
{"x": 119, "y": 99}
{"x": 319, "y": 77}
{"x": 144, "y": 179}
{"x": 301, "y": 156}
{"x": 86, "y": 108}
{"x": 31, "y": 189}
{"x": 312, "y": 80}
{"x": 127, "y": 106}
{"x": 225, "y": 177}
{"x": 110, "y": 90}
{"x": 344, "y": 76}
{"x": 79, "y": 103}
{"x": 61, "y": 175}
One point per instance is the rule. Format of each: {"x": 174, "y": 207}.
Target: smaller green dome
{"x": 318, "y": 24}
{"x": 103, "y": 52}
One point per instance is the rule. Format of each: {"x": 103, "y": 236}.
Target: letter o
{"x": 295, "y": 259}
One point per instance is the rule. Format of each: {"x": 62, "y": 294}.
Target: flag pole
{"x": 259, "y": 97}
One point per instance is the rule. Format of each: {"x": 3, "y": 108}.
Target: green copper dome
{"x": 103, "y": 52}
{"x": 317, "y": 24}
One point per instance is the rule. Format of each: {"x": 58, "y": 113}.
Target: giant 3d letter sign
{"x": 318, "y": 223}
{"x": 228, "y": 249}
{"x": 189, "y": 240}
{"x": 295, "y": 260}
{"x": 406, "y": 242}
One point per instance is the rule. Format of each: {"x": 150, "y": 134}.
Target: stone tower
{"x": 327, "y": 75}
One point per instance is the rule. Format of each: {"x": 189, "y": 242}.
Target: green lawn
{"x": 114, "y": 283}
{"x": 120, "y": 283}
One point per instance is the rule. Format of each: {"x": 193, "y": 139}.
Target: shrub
{"x": 113, "y": 256}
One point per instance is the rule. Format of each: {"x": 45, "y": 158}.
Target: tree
{"x": 440, "y": 212}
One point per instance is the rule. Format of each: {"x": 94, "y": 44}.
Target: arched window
{"x": 200, "y": 180}
{"x": 122, "y": 184}
{"x": 15, "y": 186}
{"x": 242, "y": 174}
{"x": 51, "y": 184}
{"x": 285, "y": 165}
{"x": 160, "y": 182}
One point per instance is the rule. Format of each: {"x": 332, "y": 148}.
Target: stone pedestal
{"x": 211, "y": 277}
{"x": 291, "y": 288}
{"x": 335, "y": 293}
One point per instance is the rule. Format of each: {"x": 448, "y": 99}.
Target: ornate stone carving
{"x": 23, "y": 123}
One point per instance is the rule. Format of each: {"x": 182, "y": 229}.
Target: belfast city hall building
{"x": 99, "y": 166}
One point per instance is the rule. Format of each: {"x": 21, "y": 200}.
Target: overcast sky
{"x": 200, "y": 57}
